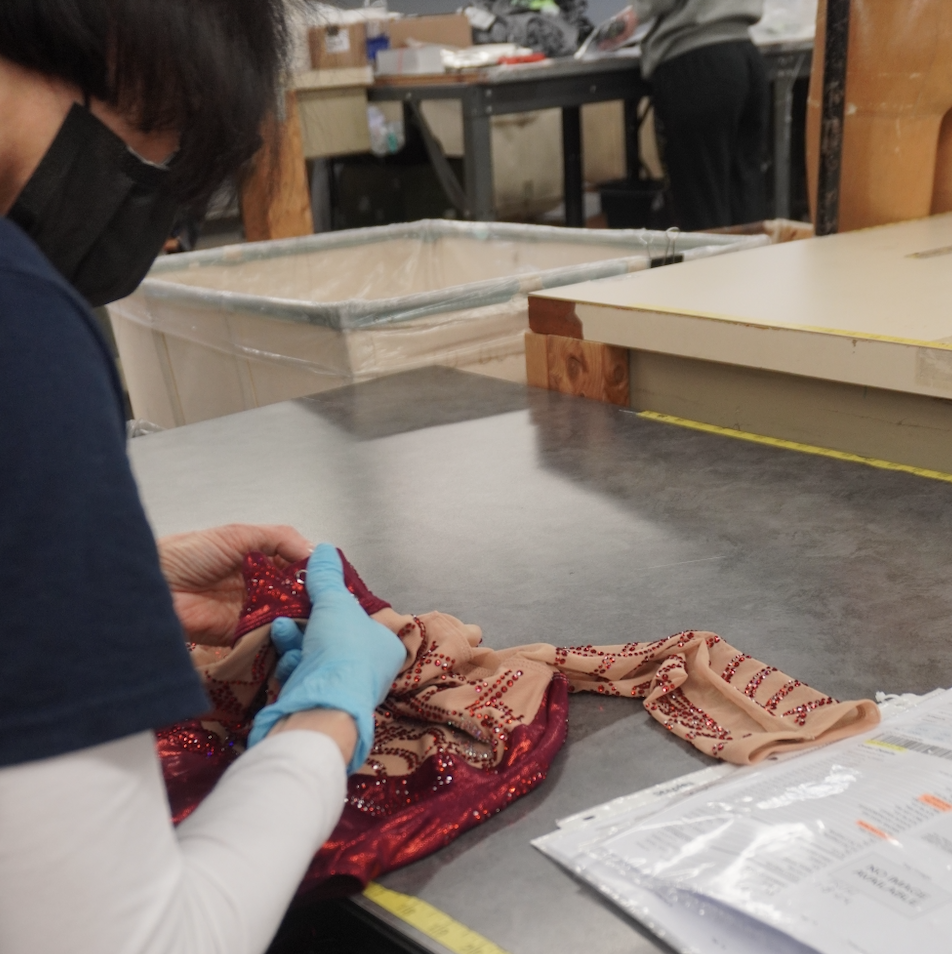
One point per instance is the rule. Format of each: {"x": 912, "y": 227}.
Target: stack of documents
{"x": 843, "y": 850}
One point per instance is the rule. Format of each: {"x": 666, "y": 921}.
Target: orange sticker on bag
{"x": 935, "y": 802}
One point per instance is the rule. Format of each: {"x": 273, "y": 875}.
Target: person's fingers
{"x": 286, "y": 635}
{"x": 289, "y": 545}
{"x": 275, "y": 540}
{"x": 324, "y": 571}
{"x": 287, "y": 664}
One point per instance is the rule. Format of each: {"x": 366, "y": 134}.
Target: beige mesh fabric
{"x": 458, "y": 696}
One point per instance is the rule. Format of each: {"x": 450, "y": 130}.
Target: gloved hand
{"x": 348, "y": 661}
{"x": 288, "y": 639}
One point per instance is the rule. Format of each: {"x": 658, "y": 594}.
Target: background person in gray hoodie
{"x": 711, "y": 100}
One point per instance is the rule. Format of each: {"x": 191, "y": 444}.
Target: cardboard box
{"x": 450, "y": 29}
{"x": 338, "y": 46}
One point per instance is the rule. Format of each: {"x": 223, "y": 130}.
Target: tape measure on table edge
{"x": 795, "y": 446}
{"x": 431, "y": 921}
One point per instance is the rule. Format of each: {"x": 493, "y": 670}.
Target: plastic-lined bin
{"x": 224, "y": 330}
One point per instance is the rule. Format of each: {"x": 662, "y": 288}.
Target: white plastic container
{"x": 225, "y": 330}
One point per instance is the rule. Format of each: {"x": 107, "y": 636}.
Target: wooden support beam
{"x": 275, "y": 199}
{"x": 537, "y": 360}
{"x": 550, "y": 317}
{"x": 580, "y": 368}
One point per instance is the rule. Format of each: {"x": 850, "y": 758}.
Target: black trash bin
{"x": 635, "y": 204}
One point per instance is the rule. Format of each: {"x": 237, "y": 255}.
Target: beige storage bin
{"x": 219, "y": 331}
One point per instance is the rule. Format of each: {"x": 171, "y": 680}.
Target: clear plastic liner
{"x": 223, "y": 330}
{"x": 411, "y": 270}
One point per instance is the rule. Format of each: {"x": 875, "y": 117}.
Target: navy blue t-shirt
{"x": 90, "y": 647}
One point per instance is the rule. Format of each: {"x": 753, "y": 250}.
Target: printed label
{"x": 894, "y": 884}
{"x": 337, "y": 41}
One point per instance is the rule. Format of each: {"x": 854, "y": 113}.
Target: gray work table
{"x": 545, "y": 517}
{"x": 569, "y": 84}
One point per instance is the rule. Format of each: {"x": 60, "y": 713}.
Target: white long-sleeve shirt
{"x": 90, "y": 862}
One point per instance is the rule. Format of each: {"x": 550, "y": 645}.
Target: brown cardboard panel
{"x": 899, "y": 93}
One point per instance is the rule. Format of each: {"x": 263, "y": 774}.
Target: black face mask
{"x": 97, "y": 211}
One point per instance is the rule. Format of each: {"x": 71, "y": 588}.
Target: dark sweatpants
{"x": 711, "y": 113}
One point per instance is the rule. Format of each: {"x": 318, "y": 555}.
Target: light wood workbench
{"x": 843, "y": 342}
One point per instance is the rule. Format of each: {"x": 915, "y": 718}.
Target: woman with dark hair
{"x": 115, "y": 115}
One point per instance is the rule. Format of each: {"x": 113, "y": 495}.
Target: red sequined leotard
{"x": 466, "y": 729}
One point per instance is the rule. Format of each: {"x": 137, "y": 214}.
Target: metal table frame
{"x": 568, "y": 85}
{"x": 786, "y": 63}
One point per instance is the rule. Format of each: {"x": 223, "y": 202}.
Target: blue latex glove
{"x": 288, "y": 639}
{"x": 348, "y": 661}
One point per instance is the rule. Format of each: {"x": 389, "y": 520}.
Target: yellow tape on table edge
{"x": 795, "y": 446}
{"x": 431, "y": 921}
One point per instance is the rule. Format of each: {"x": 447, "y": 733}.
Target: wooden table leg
{"x": 275, "y": 199}
{"x": 478, "y": 160}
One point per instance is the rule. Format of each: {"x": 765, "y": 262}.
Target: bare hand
{"x": 203, "y": 570}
